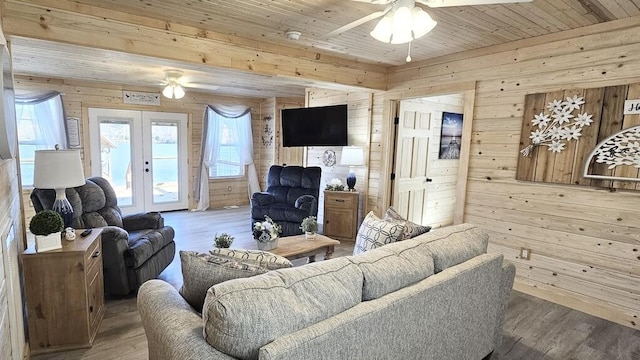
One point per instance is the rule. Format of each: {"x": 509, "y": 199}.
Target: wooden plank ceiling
{"x": 459, "y": 29}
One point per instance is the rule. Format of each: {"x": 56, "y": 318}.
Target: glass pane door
{"x": 144, "y": 157}
{"x": 114, "y": 147}
{"x": 165, "y": 160}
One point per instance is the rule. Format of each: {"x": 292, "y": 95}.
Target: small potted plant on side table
{"x": 47, "y": 227}
{"x": 310, "y": 227}
{"x": 224, "y": 240}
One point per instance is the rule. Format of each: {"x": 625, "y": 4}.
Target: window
{"x": 228, "y": 162}
{"x": 40, "y": 126}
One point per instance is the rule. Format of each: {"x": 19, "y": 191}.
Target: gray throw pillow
{"x": 202, "y": 271}
{"x": 411, "y": 229}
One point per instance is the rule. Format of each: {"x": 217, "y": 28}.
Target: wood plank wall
{"x": 12, "y": 341}
{"x": 585, "y": 242}
{"x": 79, "y": 96}
{"x": 359, "y": 128}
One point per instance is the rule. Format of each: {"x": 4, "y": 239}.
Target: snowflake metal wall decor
{"x": 559, "y": 127}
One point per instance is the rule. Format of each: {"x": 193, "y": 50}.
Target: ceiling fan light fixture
{"x": 384, "y": 29}
{"x": 422, "y": 23}
{"x": 406, "y": 22}
{"x": 173, "y": 90}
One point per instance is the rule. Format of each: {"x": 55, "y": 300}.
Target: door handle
{"x": 429, "y": 180}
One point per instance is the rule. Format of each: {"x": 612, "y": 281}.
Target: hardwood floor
{"x": 534, "y": 328}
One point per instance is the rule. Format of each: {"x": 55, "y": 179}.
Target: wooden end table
{"x": 297, "y": 246}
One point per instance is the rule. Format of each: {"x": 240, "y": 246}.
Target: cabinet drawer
{"x": 340, "y": 201}
{"x": 93, "y": 255}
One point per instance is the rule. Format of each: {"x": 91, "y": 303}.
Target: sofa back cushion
{"x": 242, "y": 315}
{"x": 393, "y": 267}
{"x": 453, "y": 245}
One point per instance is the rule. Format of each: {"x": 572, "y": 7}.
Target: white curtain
{"x": 241, "y": 116}
{"x": 47, "y": 117}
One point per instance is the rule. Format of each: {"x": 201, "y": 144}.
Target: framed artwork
{"x": 450, "y": 136}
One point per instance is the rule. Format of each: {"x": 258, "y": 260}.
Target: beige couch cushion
{"x": 453, "y": 245}
{"x": 393, "y": 267}
{"x": 242, "y": 315}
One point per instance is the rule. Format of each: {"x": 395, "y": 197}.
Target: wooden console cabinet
{"x": 341, "y": 214}
{"x": 64, "y": 294}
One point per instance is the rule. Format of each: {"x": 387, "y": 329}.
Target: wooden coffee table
{"x": 296, "y": 247}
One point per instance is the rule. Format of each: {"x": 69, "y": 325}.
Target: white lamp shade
{"x": 57, "y": 169}
{"x": 352, "y": 156}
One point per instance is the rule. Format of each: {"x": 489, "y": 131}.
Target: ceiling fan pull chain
{"x": 409, "y": 53}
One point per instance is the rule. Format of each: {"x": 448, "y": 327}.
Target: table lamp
{"x": 58, "y": 170}
{"x": 352, "y": 156}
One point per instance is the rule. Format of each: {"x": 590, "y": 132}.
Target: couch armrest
{"x": 262, "y": 199}
{"x": 174, "y": 330}
{"x": 307, "y": 203}
{"x": 506, "y": 284}
{"x": 141, "y": 221}
{"x": 115, "y": 241}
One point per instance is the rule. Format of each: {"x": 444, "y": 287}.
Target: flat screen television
{"x": 315, "y": 126}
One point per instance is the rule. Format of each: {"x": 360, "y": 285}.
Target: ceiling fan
{"x": 402, "y": 21}
{"x": 174, "y": 84}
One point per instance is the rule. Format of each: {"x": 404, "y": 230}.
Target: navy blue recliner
{"x": 292, "y": 194}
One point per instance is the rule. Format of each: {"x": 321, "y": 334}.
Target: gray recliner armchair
{"x": 292, "y": 194}
{"x": 135, "y": 248}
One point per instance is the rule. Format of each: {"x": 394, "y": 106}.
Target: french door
{"x": 144, "y": 155}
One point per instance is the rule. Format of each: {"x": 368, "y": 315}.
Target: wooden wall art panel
{"x": 561, "y": 129}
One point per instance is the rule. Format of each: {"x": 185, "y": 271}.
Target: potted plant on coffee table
{"x": 223, "y": 240}
{"x": 266, "y": 233}
{"x": 310, "y": 227}
{"x": 47, "y": 227}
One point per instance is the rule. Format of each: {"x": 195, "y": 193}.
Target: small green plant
{"x": 46, "y": 222}
{"x": 224, "y": 240}
{"x": 309, "y": 224}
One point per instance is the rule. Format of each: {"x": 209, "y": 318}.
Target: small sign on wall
{"x": 632, "y": 107}
{"x": 73, "y": 132}
{"x": 140, "y": 98}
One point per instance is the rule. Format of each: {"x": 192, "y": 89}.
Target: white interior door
{"x": 424, "y": 189}
{"x": 143, "y": 155}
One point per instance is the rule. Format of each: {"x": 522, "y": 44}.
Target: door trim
{"x": 390, "y": 111}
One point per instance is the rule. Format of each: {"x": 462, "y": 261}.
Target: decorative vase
{"x": 268, "y": 245}
{"x": 49, "y": 242}
{"x": 310, "y": 235}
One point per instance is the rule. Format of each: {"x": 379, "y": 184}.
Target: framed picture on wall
{"x": 450, "y": 136}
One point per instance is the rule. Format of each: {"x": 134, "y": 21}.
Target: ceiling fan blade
{"x": 376, "y": 2}
{"x": 357, "y": 23}
{"x": 202, "y": 86}
{"x": 445, "y": 3}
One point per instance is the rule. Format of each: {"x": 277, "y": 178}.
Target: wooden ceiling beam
{"x": 72, "y": 23}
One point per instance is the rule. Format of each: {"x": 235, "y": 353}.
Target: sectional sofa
{"x": 436, "y": 296}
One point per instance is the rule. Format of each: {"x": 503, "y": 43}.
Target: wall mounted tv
{"x": 315, "y": 126}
